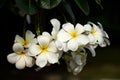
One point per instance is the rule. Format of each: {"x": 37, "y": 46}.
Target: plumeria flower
{"x": 47, "y": 48}
{"x": 73, "y": 37}
{"x": 20, "y": 57}
{"x": 98, "y": 35}
{"x": 76, "y": 61}
{"x": 80, "y": 61}
{"x": 29, "y": 39}
{"x": 45, "y": 52}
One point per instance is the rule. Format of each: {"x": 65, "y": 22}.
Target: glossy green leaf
{"x": 49, "y": 4}
{"x": 27, "y": 6}
{"x": 83, "y": 5}
{"x": 69, "y": 10}
{"x": 2, "y": 2}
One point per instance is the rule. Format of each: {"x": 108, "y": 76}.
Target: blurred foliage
{"x": 39, "y": 12}
{"x": 32, "y": 7}
{"x": 27, "y": 6}
{"x": 48, "y": 4}
{"x": 83, "y": 5}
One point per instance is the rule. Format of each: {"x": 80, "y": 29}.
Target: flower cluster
{"x": 69, "y": 43}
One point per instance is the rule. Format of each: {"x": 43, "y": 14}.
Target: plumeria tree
{"x": 66, "y": 38}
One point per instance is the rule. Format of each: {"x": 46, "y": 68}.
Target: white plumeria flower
{"x": 98, "y": 35}
{"x": 76, "y": 61}
{"x": 45, "y": 52}
{"x": 20, "y": 57}
{"x": 80, "y": 60}
{"x": 73, "y": 37}
{"x": 29, "y": 39}
{"x": 57, "y": 43}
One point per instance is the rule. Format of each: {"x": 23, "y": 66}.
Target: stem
{"x": 24, "y": 27}
{"x": 37, "y": 18}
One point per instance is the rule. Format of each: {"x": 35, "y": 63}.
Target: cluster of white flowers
{"x": 69, "y": 43}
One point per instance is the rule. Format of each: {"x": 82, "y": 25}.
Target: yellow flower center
{"x": 26, "y": 42}
{"x": 94, "y": 32}
{"x": 44, "y": 49}
{"x": 74, "y": 34}
{"x": 22, "y": 53}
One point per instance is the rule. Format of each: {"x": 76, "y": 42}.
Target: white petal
{"x": 29, "y": 35}
{"x": 79, "y": 28}
{"x": 41, "y": 60}
{"x": 98, "y": 31}
{"x": 103, "y": 44}
{"x": 78, "y": 69}
{"x": 72, "y": 45}
{"x": 29, "y": 61}
{"x": 92, "y": 39}
{"x": 105, "y": 34}
{"x": 83, "y": 40}
{"x": 19, "y": 39}
{"x": 76, "y": 57}
{"x": 78, "y": 60}
{"x": 52, "y": 47}
{"x": 65, "y": 47}
{"x": 52, "y": 57}
{"x": 17, "y": 47}
{"x": 34, "y": 50}
{"x": 100, "y": 39}
{"x": 93, "y": 25}
{"x": 68, "y": 27}
{"x": 56, "y": 24}
{"x": 20, "y": 63}
{"x": 33, "y": 41}
{"x": 54, "y": 33}
{"x": 107, "y": 41}
{"x": 58, "y": 45}
{"x": 100, "y": 25}
{"x": 13, "y": 58}
{"x": 63, "y": 36}
{"x": 30, "y": 38}
{"x": 43, "y": 40}
{"x": 87, "y": 27}
{"x": 92, "y": 50}
{"x": 47, "y": 35}
{"x": 56, "y": 27}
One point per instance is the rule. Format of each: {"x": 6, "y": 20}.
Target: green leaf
{"x": 83, "y": 5}
{"x": 27, "y": 6}
{"x": 69, "y": 10}
{"x": 49, "y": 4}
{"x": 2, "y": 2}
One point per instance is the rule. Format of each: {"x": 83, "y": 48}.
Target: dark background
{"x": 106, "y": 64}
